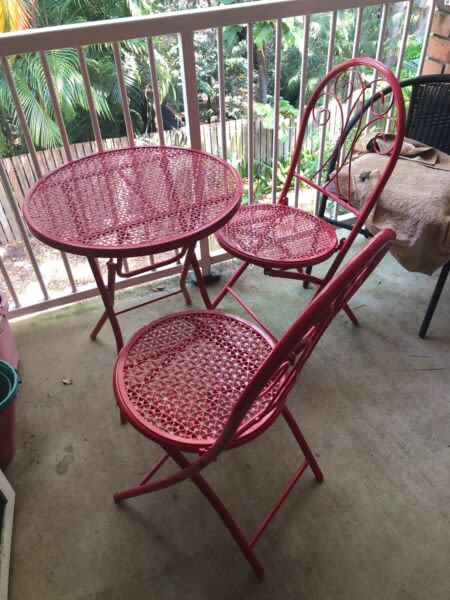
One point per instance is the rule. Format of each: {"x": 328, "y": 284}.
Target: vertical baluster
{"x": 190, "y": 98}
{"x": 326, "y": 103}
{"x": 123, "y": 93}
{"x": 357, "y": 38}
{"x": 355, "y": 52}
{"x": 250, "y": 148}
{"x": 22, "y": 118}
{"x": 23, "y": 230}
{"x": 382, "y": 31}
{"x": 125, "y": 108}
{"x": 301, "y": 94}
{"x": 65, "y": 141}
{"x": 276, "y": 108}
{"x": 55, "y": 104}
{"x": 426, "y": 36}
{"x": 90, "y": 99}
{"x": 221, "y": 73}
{"x": 155, "y": 90}
{"x": 401, "y": 52}
{"x": 38, "y": 170}
{"x": 156, "y": 100}
{"x": 9, "y": 284}
{"x": 190, "y": 93}
{"x": 379, "y": 50}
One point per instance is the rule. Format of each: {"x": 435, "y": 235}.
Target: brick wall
{"x": 438, "y": 49}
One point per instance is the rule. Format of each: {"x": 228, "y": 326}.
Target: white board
{"x": 6, "y": 495}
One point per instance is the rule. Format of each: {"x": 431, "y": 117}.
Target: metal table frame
{"x": 183, "y": 243}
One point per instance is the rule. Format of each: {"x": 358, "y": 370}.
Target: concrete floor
{"x": 373, "y": 402}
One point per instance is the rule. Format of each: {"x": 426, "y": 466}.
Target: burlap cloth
{"x": 415, "y": 202}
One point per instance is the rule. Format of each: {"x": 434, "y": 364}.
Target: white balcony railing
{"x": 184, "y": 24}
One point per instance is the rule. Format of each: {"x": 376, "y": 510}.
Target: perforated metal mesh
{"x": 184, "y": 373}
{"x": 132, "y": 197}
{"x": 274, "y": 232}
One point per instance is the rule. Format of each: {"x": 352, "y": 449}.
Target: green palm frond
{"x": 4, "y": 147}
{"x": 43, "y": 129}
{"x": 35, "y": 97}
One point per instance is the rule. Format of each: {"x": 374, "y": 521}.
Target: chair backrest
{"x": 279, "y": 371}
{"x": 428, "y": 118}
{"x": 428, "y": 114}
{"x": 341, "y": 96}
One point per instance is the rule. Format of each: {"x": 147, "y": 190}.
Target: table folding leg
{"x": 108, "y": 301}
{"x": 191, "y": 259}
{"x": 107, "y": 291}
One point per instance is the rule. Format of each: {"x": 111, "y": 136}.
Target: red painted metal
{"x": 8, "y": 346}
{"x": 9, "y": 382}
{"x": 278, "y": 236}
{"x": 123, "y": 203}
{"x": 133, "y": 202}
{"x": 251, "y": 312}
{"x": 286, "y": 240}
{"x": 7, "y": 434}
{"x": 204, "y": 381}
{"x": 229, "y": 284}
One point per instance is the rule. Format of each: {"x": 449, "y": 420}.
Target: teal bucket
{"x": 9, "y": 383}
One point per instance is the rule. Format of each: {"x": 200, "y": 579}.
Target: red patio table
{"x": 133, "y": 202}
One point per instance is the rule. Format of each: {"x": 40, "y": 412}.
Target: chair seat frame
{"x": 283, "y": 365}
{"x": 302, "y": 270}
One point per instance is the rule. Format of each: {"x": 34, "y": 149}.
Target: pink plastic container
{"x": 9, "y": 383}
{"x": 8, "y": 348}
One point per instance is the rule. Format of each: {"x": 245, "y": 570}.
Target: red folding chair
{"x": 287, "y": 241}
{"x": 203, "y": 381}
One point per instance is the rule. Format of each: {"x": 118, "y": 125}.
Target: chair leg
{"x": 142, "y": 488}
{"x": 110, "y": 286}
{"x": 351, "y": 315}
{"x": 183, "y": 276}
{"x": 310, "y": 461}
{"x": 245, "y": 545}
{"x": 308, "y": 271}
{"x": 223, "y": 513}
{"x": 200, "y": 282}
{"x": 296, "y": 432}
{"x": 346, "y": 308}
{"x": 229, "y": 284}
{"x": 434, "y": 300}
{"x": 321, "y": 214}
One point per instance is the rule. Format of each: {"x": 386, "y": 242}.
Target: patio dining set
{"x": 201, "y": 382}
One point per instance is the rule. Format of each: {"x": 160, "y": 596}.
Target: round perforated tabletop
{"x": 133, "y": 201}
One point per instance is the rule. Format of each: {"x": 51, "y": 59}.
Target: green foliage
{"x": 267, "y": 112}
{"x": 32, "y": 89}
{"x": 262, "y": 176}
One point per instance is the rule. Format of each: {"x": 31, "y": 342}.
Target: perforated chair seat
{"x": 178, "y": 378}
{"x": 275, "y": 235}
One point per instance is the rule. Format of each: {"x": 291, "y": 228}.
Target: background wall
{"x": 438, "y": 50}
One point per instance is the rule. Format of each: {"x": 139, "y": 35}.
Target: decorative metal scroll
{"x": 357, "y": 93}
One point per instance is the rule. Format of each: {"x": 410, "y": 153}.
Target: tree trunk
{"x": 261, "y": 91}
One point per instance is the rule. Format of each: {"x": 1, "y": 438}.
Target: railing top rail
{"x": 115, "y": 30}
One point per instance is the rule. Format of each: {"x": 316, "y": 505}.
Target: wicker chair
{"x": 428, "y": 121}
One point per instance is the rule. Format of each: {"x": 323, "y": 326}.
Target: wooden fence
{"x": 22, "y": 174}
